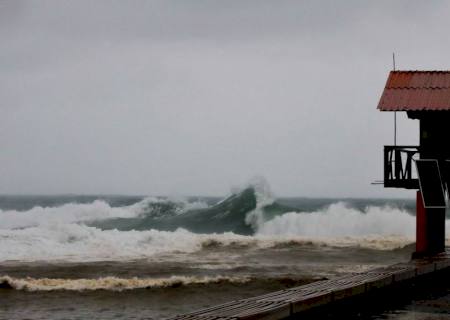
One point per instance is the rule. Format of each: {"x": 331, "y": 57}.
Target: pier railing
{"x": 398, "y": 167}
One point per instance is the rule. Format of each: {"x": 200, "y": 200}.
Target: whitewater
{"x": 66, "y": 233}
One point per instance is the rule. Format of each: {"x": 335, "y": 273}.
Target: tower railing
{"x": 398, "y": 167}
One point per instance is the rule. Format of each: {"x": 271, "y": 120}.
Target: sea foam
{"x": 112, "y": 283}
{"x": 340, "y": 220}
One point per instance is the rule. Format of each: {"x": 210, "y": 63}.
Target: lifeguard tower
{"x": 424, "y": 96}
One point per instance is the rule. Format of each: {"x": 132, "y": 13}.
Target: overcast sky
{"x": 194, "y": 97}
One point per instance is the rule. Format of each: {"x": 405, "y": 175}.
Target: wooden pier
{"x": 294, "y": 301}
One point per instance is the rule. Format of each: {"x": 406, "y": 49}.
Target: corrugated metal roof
{"x": 416, "y": 90}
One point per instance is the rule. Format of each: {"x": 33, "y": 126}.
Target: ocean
{"x": 139, "y": 257}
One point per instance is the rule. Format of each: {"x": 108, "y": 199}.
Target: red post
{"x": 421, "y": 226}
{"x": 430, "y": 229}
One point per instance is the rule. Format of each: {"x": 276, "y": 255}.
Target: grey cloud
{"x": 193, "y": 97}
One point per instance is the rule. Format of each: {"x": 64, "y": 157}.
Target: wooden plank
{"x": 313, "y": 300}
{"x": 349, "y": 291}
{"x": 201, "y": 317}
{"x": 269, "y": 311}
{"x": 381, "y": 282}
{"x": 215, "y": 308}
{"x": 377, "y": 279}
{"x": 245, "y": 308}
{"x": 236, "y": 309}
{"x": 283, "y": 303}
{"x": 316, "y": 286}
{"x": 442, "y": 264}
{"x": 405, "y": 274}
{"x": 272, "y": 296}
{"x": 301, "y": 299}
{"x": 424, "y": 268}
{"x": 341, "y": 288}
{"x": 294, "y": 295}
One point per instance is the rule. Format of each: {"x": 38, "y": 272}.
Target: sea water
{"x": 123, "y": 257}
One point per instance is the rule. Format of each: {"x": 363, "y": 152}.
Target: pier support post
{"x": 430, "y": 229}
{"x": 421, "y": 225}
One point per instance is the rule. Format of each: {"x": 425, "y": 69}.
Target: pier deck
{"x": 290, "y": 302}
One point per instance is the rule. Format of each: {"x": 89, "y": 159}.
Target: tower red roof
{"x": 416, "y": 91}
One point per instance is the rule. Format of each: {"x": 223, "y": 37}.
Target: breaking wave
{"x": 340, "y": 220}
{"x": 83, "y": 243}
{"x": 112, "y": 283}
{"x": 249, "y": 218}
{"x": 96, "y": 211}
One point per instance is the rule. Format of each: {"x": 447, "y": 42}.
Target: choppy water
{"x": 149, "y": 258}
